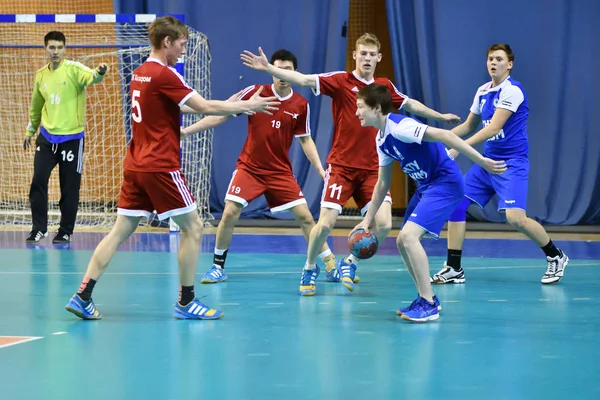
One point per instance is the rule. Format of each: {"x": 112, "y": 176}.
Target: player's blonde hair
{"x": 368, "y": 39}
{"x": 166, "y": 26}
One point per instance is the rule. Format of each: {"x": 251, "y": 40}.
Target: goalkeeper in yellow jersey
{"x": 58, "y": 110}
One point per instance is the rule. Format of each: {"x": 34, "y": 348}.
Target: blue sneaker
{"x": 214, "y": 275}
{"x": 333, "y": 275}
{"x": 83, "y": 309}
{"x": 347, "y": 272}
{"x": 308, "y": 285}
{"x": 401, "y": 311}
{"x": 196, "y": 310}
{"x": 421, "y": 311}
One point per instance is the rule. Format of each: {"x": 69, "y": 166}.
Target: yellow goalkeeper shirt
{"x": 58, "y": 99}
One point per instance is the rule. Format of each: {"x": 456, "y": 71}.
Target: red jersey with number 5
{"x": 352, "y": 144}
{"x": 270, "y": 137}
{"x": 157, "y": 92}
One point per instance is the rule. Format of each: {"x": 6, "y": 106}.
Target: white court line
{"x": 581, "y": 298}
{"x": 20, "y": 341}
{"x": 497, "y": 300}
{"x": 274, "y": 272}
{"x": 275, "y": 304}
{"x": 367, "y": 302}
{"x": 59, "y": 333}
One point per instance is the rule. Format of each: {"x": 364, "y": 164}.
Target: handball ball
{"x": 362, "y": 245}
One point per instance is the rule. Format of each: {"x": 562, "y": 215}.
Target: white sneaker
{"x": 556, "y": 268}
{"x": 448, "y": 275}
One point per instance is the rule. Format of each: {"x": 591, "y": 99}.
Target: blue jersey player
{"x": 502, "y": 106}
{"x": 424, "y": 158}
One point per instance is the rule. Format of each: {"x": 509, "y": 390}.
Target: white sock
{"x": 325, "y": 254}
{"x": 308, "y": 266}
{"x": 352, "y": 260}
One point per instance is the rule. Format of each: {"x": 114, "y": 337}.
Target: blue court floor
{"x": 501, "y": 335}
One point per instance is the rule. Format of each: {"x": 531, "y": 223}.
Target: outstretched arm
{"x": 451, "y": 140}
{"x": 416, "y": 107}
{"x": 261, "y": 63}
{"x": 228, "y": 107}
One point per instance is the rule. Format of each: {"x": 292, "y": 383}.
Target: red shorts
{"x": 281, "y": 190}
{"x": 142, "y": 193}
{"x": 341, "y": 183}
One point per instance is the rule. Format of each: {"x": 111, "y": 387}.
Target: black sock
{"x": 453, "y": 260}
{"x": 220, "y": 259}
{"x": 85, "y": 290}
{"x": 551, "y": 250}
{"x": 186, "y": 295}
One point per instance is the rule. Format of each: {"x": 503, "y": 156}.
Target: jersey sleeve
{"x": 398, "y": 98}
{"x": 173, "y": 86}
{"x": 246, "y": 94}
{"x": 35, "y": 109}
{"x": 84, "y": 76}
{"x": 329, "y": 83}
{"x": 384, "y": 159}
{"x": 303, "y": 122}
{"x": 510, "y": 98}
{"x": 476, "y": 106}
{"x": 408, "y": 131}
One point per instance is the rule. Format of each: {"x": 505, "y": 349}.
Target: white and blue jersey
{"x": 424, "y": 162}
{"x": 509, "y": 144}
{"x": 511, "y": 141}
{"x": 439, "y": 178}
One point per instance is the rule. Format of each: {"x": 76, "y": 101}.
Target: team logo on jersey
{"x": 355, "y": 89}
{"x": 295, "y": 116}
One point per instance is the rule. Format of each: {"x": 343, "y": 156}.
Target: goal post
{"x": 120, "y": 40}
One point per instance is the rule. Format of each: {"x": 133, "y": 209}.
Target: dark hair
{"x": 284, "y": 55}
{"x": 376, "y": 95}
{"x": 54, "y": 35}
{"x": 166, "y": 26}
{"x": 504, "y": 47}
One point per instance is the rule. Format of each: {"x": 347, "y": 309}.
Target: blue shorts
{"x": 431, "y": 206}
{"x": 511, "y": 186}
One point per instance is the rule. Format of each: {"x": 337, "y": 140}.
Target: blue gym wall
{"x": 438, "y": 49}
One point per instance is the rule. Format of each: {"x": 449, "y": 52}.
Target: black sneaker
{"x": 35, "y": 236}
{"x": 61, "y": 237}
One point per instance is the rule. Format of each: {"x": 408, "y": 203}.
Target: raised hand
{"x": 494, "y": 167}
{"x": 102, "y": 69}
{"x": 263, "y": 104}
{"x": 258, "y": 62}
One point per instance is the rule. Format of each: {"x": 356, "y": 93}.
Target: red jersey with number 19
{"x": 157, "y": 93}
{"x": 270, "y": 137}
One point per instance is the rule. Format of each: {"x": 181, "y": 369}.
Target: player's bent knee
{"x": 516, "y": 218}
{"x": 231, "y": 212}
{"x": 460, "y": 212}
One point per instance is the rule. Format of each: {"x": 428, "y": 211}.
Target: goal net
{"x": 122, "y": 42}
